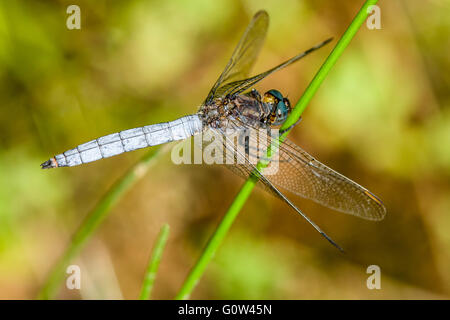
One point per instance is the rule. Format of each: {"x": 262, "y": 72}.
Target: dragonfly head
{"x": 279, "y": 106}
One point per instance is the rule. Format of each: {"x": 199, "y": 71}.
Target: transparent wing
{"x": 244, "y": 54}
{"x": 303, "y": 175}
{"x": 247, "y": 169}
{"x": 239, "y": 86}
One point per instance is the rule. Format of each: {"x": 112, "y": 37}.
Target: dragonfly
{"x": 234, "y": 105}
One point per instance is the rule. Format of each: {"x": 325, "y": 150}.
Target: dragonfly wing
{"x": 239, "y": 86}
{"x": 246, "y": 169}
{"x": 305, "y": 176}
{"x": 300, "y": 173}
{"x": 245, "y": 53}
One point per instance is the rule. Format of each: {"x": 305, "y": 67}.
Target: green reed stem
{"x": 240, "y": 199}
{"x": 153, "y": 263}
{"x": 93, "y": 221}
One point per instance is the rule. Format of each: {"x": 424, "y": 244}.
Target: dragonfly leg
{"x": 291, "y": 126}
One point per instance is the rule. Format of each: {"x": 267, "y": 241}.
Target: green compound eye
{"x": 277, "y": 94}
{"x": 280, "y": 106}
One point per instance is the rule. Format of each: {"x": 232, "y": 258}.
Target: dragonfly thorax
{"x": 216, "y": 113}
{"x": 248, "y": 109}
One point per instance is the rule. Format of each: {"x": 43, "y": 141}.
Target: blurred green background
{"x": 382, "y": 118}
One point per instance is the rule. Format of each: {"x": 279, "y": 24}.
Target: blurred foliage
{"x": 382, "y": 118}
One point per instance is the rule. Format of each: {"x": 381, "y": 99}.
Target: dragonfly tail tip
{"x": 51, "y": 163}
